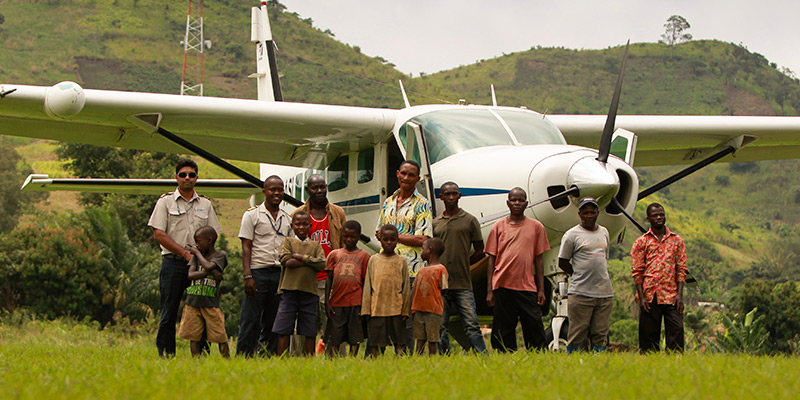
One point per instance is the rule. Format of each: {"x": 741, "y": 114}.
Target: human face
{"x": 588, "y": 215}
{"x": 426, "y": 251}
{"x": 350, "y": 238}
{"x": 656, "y": 217}
{"x": 388, "y": 241}
{"x": 273, "y": 191}
{"x": 204, "y": 243}
{"x": 517, "y": 201}
{"x": 186, "y": 184}
{"x": 407, "y": 177}
{"x": 450, "y": 196}
{"x": 300, "y": 225}
{"x": 317, "y": 189}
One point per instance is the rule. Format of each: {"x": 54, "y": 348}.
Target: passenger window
{"x": 366, "y": 165}
{"x": 337, "y": 173}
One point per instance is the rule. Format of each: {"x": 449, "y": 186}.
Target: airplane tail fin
{"x": 269, "y": 86}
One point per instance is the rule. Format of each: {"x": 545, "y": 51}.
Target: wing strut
{"x": 686, "y": 172}
{"x": 221, "y": 163}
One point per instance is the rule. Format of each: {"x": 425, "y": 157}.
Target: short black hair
{"x": 651, "y": 206}
{"x": 206, "y": 231}
{"x": 520, "y": 190}
{"x": 436, "y": 245}
{"x": 449, "y": 183}
{"x": 352, "y": 225}
{"x": 412, "y": 162}
{"x": 186, "y": 163}
{"x": 389, "y": 228}
{"x": 300, "y": 213}
{"x": 272, "y": 177}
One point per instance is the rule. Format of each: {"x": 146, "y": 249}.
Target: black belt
{"x": 173, "y": 256}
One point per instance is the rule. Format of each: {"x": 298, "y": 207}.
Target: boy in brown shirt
{"x": 387, "y": 296}
{"x": 427, "y": 306}
{"x": 301, "y": 258}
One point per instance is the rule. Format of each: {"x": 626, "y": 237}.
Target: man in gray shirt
{"x": 590, "y": 291}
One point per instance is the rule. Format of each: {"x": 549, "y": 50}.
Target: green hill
{"x": 732, "y": 215}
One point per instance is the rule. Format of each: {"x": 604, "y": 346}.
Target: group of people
{"x": 305, "y": 276}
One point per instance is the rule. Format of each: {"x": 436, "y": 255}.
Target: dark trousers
{"x": 258, "y": 314}
{"x": 172, "y": 281}
{"x": 650, "y": 327}
{"x": 461, "y": 302}
{"x": 511, "y": 306}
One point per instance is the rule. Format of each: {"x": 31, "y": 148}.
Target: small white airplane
{"x": 486, "y": 150}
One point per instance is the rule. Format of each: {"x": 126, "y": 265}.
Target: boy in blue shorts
{"x": 344, "y": 286}
{"x": 301, "y": 259}
{"x": 201, "y": 310}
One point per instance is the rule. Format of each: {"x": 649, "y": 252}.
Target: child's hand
{"x": 330, "y": 311}
{"x": 193, "y": 249}
{"x": 404, "y": 317}
{"x": 217, "y": 274}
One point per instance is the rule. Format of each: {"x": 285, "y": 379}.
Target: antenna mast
{"x": 193, "y": 44}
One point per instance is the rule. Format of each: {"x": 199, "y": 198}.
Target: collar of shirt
{"x": 396, "y": 193}
{"x": 278, "y": 225}
{"x": 667, "y": 234}
{"x": 177, "y": 195}
{"x": 460, "y": 214}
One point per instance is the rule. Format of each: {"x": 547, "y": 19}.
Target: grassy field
{"x": 55, "y": 360}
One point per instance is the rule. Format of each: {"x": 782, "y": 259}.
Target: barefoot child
{"x": 387, "y": 296}
{"x": 201, "y": 311}
{"x": 343, "y": 291}
{"x": 427, "y": 306}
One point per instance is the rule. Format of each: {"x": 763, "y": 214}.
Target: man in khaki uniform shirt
{"x": 175, "y": 218}
{"x": 262, "y": 232}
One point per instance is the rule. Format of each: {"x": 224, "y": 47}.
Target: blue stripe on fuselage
{"x": 464, "y": 192}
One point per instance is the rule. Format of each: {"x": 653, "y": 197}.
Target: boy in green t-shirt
{"x": 201, "y": 310}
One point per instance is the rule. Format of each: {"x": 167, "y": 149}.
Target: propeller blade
{"x": 608, "y": 130}
{"x": 573, "y": 191}
{"x": 619, "y": 207}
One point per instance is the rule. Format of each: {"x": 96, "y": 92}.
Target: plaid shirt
{"x": 659, "y": 265}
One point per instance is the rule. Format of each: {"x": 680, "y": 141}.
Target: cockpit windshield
{"x": 449, "y": 132}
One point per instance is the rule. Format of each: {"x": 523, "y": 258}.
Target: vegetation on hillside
{"x": 738, "y": 219}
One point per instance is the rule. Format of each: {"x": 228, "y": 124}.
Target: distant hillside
{"x": 732, "y": 215}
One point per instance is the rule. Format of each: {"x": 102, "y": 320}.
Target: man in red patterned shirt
{"x": 659, "y": 272}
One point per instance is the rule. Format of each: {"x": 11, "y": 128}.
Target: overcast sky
{"x": 434, "y": 35}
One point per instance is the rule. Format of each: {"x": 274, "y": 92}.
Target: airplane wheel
{"x": 562, "y": 338}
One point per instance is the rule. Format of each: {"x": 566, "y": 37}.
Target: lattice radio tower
{"x": 193, "y": 45}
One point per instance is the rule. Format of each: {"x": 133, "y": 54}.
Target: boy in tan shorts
{"x": 201, "y": 310}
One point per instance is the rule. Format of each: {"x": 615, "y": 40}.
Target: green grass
{"x": 56, "y": 360}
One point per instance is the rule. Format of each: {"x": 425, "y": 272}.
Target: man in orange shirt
{"x": 659, "y": 272}
{"x": 515, "y": 246}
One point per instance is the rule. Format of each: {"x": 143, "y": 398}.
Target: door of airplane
{"x": 416, "y": 145}
{"x": 623, "y": 145}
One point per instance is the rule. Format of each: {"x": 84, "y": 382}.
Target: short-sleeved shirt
{"x": 515, "y": 246}
{"x": 458, "y": 233}
{"x": 413, "y": 217}
{"x": 659, "y": 265}
{"x": 349, "y": 270}
{"x": 180, "y": 219}
{"x": 204, "y": 292}
{"x": 428, "y": 286}
{"x": 588, "y": 251}
{"x": 328, "y": 231}
{"x": 387, "y": 289}
{"x": 267, "y": 234}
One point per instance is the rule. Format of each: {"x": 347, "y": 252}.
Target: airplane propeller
{"x": 608, "y": 130}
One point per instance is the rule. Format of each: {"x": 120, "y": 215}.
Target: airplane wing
{"x": 671, "y": 140}
{"x": 305, "y": 135}
{"x": 214, "y": 188}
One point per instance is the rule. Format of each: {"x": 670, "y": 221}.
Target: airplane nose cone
{"x": 594, "y": 179}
